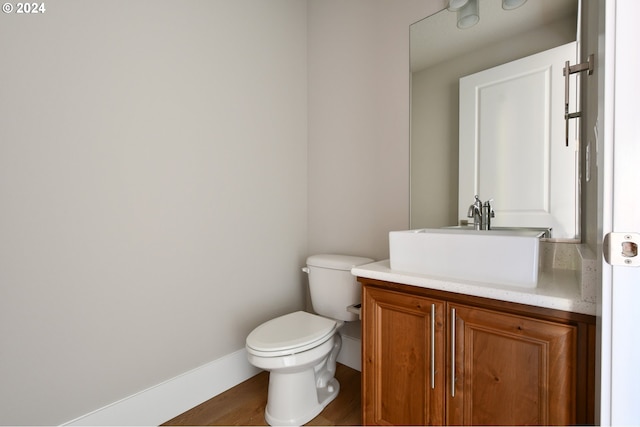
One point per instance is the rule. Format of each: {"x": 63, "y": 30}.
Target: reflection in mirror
{"x": 441, "y": 54}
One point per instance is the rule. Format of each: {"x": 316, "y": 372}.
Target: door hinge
{"x": 621, "y": 249}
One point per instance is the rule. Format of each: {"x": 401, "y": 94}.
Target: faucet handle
{"x": 491, "y": 212}
{"x": 475, "y": 207}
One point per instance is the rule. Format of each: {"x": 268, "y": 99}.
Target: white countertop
{"x": 557, "y": 289}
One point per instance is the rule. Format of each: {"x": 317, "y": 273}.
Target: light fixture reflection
{"x": 512, "y": 4}
{"x": 468, "y": 16}
{"x": 456, "y": 5}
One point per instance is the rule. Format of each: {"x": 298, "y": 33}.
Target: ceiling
{"x": 436, "y": 38}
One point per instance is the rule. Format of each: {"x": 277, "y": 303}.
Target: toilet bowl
{"x": 301, "y": 381}
{"x": 300, "y": 349}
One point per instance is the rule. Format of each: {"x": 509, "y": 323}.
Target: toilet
{"x": 300, "y": 349}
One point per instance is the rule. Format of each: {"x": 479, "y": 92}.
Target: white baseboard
{"x": 166, "y": 400}
{"x": 158, "y": 404}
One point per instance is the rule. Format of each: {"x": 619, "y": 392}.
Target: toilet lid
{"x": 290, "y": 331}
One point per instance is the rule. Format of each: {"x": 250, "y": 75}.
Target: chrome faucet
{"x": 475, "y": 212}
{"x": 481, "y": 214}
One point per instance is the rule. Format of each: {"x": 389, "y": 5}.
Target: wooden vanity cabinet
{"x": 510, "y": 369}
{"x": 437, "y": 358}
{"x": 400, "y": 384}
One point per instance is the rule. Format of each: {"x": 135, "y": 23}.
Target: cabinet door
{"x": 403, "y": 359}
{"x": 509, "y": 370}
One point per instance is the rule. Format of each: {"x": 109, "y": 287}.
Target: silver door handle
{"x": 566, "y": 71}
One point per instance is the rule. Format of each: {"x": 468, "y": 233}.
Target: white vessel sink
{"x": 506, "y": 257}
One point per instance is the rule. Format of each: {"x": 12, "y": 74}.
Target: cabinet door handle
{"x": 453, "y": 352}
{"x": 433, "y": 346}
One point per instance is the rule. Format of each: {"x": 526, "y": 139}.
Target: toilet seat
{"x": 290, "y": 334}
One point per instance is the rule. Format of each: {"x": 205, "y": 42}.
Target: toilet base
{"x": 299, "y": 394}
{"x": 299, "y": 409}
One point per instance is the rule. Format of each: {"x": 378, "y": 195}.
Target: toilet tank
{"x": 332, "y": 286}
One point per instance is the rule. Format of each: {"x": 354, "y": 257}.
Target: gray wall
{"x": 359, "y": 122}
{"x": 166, "y": 167}
{"x": 153, "y": 185}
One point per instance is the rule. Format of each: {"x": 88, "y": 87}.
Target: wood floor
{"x": 244, "y": 404}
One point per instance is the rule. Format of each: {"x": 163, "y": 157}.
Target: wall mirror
{"x": 441, "y": 55}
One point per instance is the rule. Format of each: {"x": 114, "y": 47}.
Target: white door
{"x": 620, "y": 312}
{"x": 512, "y": 125}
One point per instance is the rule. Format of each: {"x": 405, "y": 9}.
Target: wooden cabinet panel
{"x": 403, "y": 344}
{"x": 510, "y": 370}
{"x": 492, "y": 363}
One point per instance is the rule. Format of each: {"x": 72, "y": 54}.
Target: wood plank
{"x": 244, "y": 404}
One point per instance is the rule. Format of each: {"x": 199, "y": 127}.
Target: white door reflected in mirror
{"x": 512, "y": 125}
